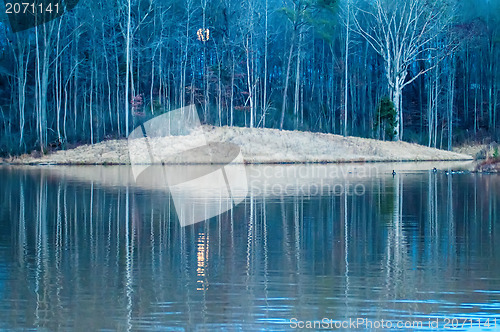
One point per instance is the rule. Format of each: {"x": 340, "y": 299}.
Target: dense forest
{"x": 426, "y": 69}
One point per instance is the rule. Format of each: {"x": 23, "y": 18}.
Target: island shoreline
{"x": 258, "y": 147}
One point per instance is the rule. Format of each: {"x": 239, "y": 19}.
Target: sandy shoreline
{"x": 260, "y": 146}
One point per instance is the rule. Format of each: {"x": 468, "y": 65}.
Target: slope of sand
{"x": 262, "y": 146}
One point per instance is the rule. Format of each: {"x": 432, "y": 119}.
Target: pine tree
{"x": 386, "y": 118}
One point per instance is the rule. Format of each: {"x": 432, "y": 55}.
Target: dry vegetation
{"x": 262, "y": 146}
{"x": 478, "y": 151}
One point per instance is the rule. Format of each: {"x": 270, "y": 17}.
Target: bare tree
{"x": 44, "y": 48}
{"x": 127, "y": 70}
{"x": 346, "y": 63}
{"x": 402, "y": 32}
{"x": 65, "y": 81}
{"x": 22, "y": 57}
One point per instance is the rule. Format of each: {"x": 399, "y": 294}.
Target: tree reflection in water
{"x": 83, "y": 255}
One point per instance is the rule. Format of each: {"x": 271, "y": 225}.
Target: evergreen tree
{"x": 386, "y": 118}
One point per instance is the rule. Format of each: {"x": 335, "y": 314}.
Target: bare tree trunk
{"x": 495, "y": 101}
{"x": 106, "y": 60}
{"x": 65, "y": 112}
{"x": 205, "y": 75}
{"x": 151, "y": 89}
{"x": 287, "y": 78}
{"x": 160, "y": 78}
{"x": 400, "y": 34}
{"x": 333, "y": 92}
{"x": 38, "y": 94}
{"x": 450, "y": 107}
{"x": 118, "y": 102}
{"x": 466, "y": 84}
{"x": 399, "y": 111}
{"x": 219, "y": 90}
{"x": 430, "y": 103}
{"x": 264, "y": 102}
{"x": 475, "y": 109}
{"x": 43, "y": 81}
{"x": 346, "y": 65}
{"x": 22, "y": 73}
{"x": 189, "y": 4}
{"x": 297, "y": 83}
{"x": 232, "y": 93}
{"x": 91, "y": 115}
{"x": 490, "y": 85}
{"x": 436, "y": 98}
{"x": 127, "y": 69}
{"x": 249, "y": 82}
{"x": 58, "y": 84}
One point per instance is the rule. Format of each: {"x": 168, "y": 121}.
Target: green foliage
{"x": 316, "y": 13}
{"x": 329, "y": 4}
{"x": 325, "y": 22}
{"x": 289, "y": 13}
{"x": 386, "y": 117}
{"x": 495, "y": 153}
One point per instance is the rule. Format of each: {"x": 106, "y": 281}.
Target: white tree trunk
{"x": 264, "y": 103}
{"x": 450, "y": 107}
{"x": 249, "y": 82}
{"x": 297, "y": 85}
{"x": 346, "y": 64}
{"x": 127, "y": 70}
{"x": 285, "y": 91}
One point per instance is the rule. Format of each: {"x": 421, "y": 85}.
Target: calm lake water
{"x": 81, "y": 248}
